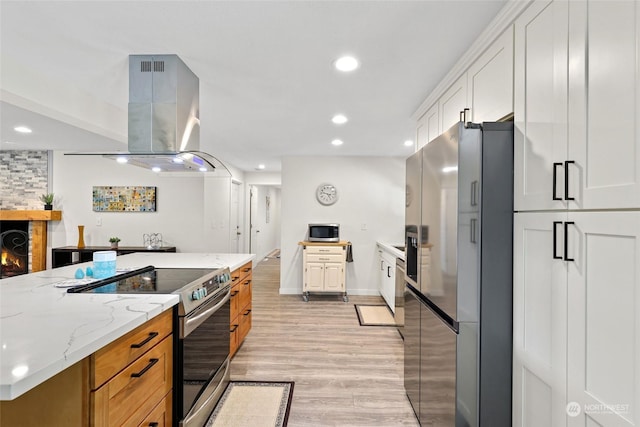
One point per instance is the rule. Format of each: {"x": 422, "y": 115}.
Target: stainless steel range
{"x": 201, "y": 330}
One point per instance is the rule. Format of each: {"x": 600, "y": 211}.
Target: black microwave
{"x": 324, "y": 233}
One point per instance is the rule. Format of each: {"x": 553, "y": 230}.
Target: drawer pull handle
{"x": 234, "y": 278}
{"x": 154, "y": 424}
{"x": 248, "y": 282}
{"x": 233, "y": 328}
{"x": 151, "y": 336}
{"x": 554, "y": 196}
{"x": 146, "y": 368}
{"x": 234, "y": 293}
{"x": 247, "y": 313}
{"x": 246, "y": 270}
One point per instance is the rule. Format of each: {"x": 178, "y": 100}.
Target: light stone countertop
{"x": 44, "y": 329}
{"x": 389, "y": 247}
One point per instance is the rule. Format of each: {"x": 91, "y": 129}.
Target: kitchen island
{"x": 44, "y": 330}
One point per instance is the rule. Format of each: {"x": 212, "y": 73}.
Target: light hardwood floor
{"x": 345, "y": 374}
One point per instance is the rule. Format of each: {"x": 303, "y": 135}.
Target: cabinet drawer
{"x": 245, "y": 293}
{"x": 324, "y": 250}
{"x": 235, "y": 302}
{"x": 245, "y": 325}
{"x": 238, "y": 274}
{"x": 114, "y": 357}
{"x": 160, "y": 416}
{"x": 324, "y": 258}
{"x": 132, "y": 394}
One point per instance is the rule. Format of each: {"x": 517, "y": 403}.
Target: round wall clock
{"x": 327, "y": 194}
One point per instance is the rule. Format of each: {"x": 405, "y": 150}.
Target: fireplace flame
{"x": 10, "y": 262}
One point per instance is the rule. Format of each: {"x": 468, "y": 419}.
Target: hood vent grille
{"x": 158, "y": 66}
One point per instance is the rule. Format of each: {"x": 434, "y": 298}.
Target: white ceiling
{"x": 267, "y": 85}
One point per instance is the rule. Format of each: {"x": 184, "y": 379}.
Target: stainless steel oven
{"x": 202, "y": 359}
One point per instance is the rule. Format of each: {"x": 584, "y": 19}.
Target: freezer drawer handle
{"x": 555, "y": 238}
{"x": 473, "y": 227}
{"x": 566, "y": 241}
{"x": 566, "y": 179}
{"x": 555, "y": 181}
{"x": 388, "y": 271}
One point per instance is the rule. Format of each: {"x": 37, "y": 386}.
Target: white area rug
{"x": 253, "y": 403}
{"x": 374, "y": 315}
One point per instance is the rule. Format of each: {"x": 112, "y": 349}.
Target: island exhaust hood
{"x": 164, "y": 118}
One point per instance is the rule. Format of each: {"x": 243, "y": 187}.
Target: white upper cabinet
{"x": 452, "y": 102}
{"x": 428, "y": 127}
{"x": 604, "y": 104}
{"x": 490, "y": 81}
{"x": 540, "y": 106}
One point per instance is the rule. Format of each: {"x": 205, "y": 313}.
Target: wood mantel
{"x": 30, "y": 215}
{"x": 38, "y": 232}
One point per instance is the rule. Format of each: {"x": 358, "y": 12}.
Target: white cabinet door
{"x": 539, "y": 321}
{"x": 604, "y": 104}
{"x": 604, "y": 321}
{"x": 540, "y": 106}
{"x": 389, "y": 280}
{"x": 490, "y": 81}
{"x": 427, "y": 128}
{"x": 452, "y": 102}
{"x": 314, "y": 277}
{"x": 333, "y": 277}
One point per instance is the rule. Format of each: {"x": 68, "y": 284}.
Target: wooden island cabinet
{"x": 240, "y": 318}
{"x": 126, "y": 383}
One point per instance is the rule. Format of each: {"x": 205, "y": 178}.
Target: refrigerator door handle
{"x": 474, "y": 193}
{"x": 555, "y": 239}
{"x": 555, "y": 181}
{"x": 566, "y": 241}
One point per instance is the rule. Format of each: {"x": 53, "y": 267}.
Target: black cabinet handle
{"x": 566, "y": 179}
{"x": 247, "y": 313}
{"x": 247, "y": 283}
{"x": 474, "y": 191}
{"x": 151, "y": 336}
{"x": 145, "y": 369}
{"x": 555, "y": 181}
{"x": 154, "y": 424}
{"x": 566, "y": 241}
{"x": 233, "y": 329}
{"x": 246, "y": 270}
{"x": 234, "y": 293}
{"x": 555, "y": 238}
{"x": 388, "y": 271}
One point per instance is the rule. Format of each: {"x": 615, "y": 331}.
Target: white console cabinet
{"x": 324, "y": 266}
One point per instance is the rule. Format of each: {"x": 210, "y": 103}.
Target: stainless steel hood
{"x": 164, "y": 118}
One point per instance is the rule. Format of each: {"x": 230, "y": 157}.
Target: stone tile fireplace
{"x": 24, "y": 235}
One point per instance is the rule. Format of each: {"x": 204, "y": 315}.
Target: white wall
{"x": 265, "y": 235}
{"x": 370, "y": 208}
{"x": 192, "y": 211}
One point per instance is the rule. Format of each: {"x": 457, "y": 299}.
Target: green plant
{"x": 114, "y": 239}
{"x": 47, "y": 199}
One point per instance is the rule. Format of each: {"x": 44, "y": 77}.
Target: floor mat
{"x": 253, "y": 403}
{"x": 374, "y": 315}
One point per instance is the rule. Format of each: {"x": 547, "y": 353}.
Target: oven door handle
{"x": 192, "y": 322}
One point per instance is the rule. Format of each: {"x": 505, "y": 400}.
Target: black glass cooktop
{"x": 148, "y": 280}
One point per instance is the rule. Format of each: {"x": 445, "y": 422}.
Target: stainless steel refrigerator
{"x": 458, "y": 293}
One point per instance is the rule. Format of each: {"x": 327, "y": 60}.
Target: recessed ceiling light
{"x": 346, "y": 63}
{"x": 122, "y": 160}
{"x": 337, "y": 142}
{"x": 177, "y": 160}
{"x": 408, "y": 143}
{"x": 202, "y": 169}
{"x": 339, "y": 119}
{"x": 22, "y": 129}
{"x": 156, "y": 169}
{"x": 261, "y": 166}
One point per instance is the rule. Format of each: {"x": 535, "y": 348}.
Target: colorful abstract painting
{"x": 124, "y": 199}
